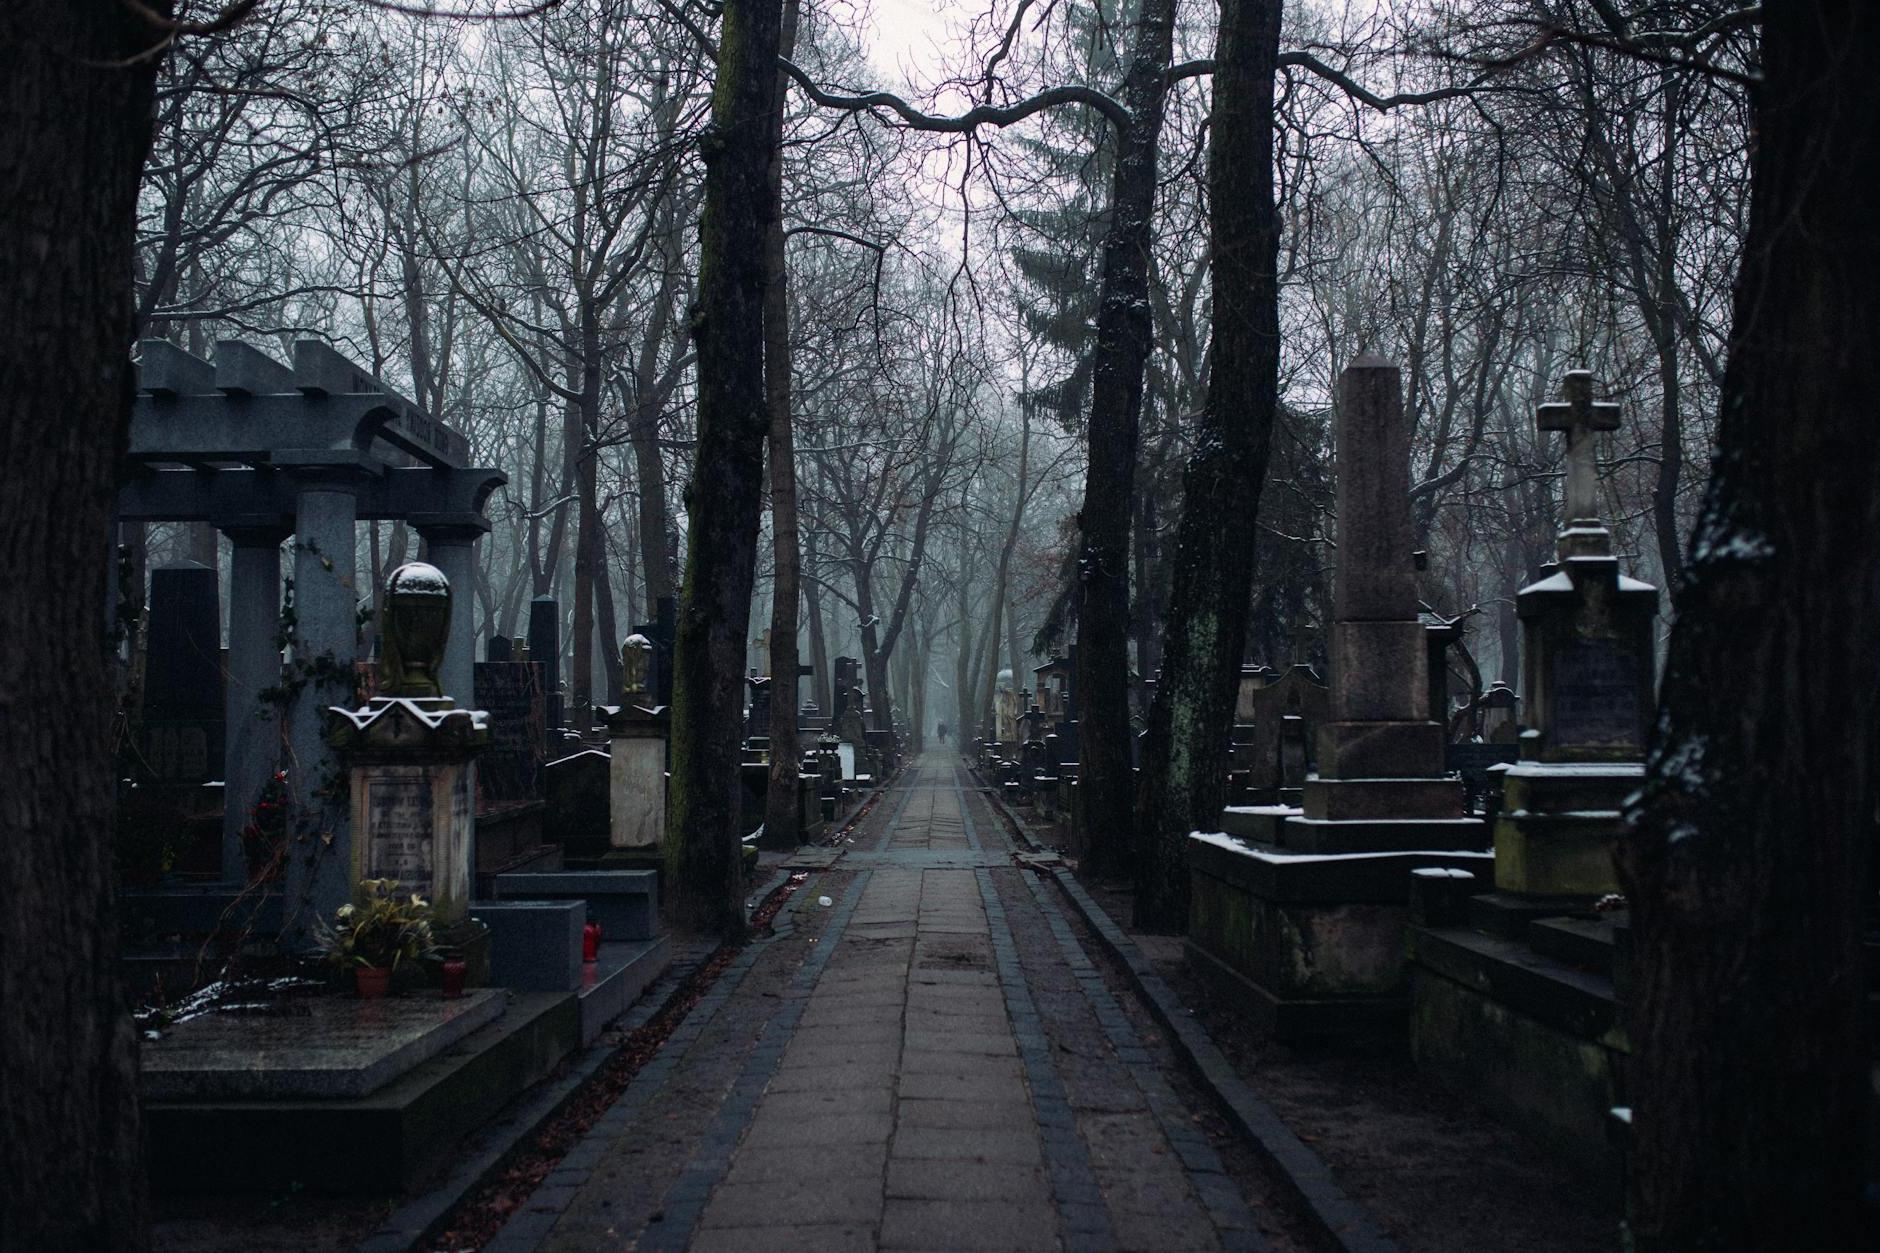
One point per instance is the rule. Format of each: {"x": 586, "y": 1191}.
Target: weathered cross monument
{"x": 1516, "y": 991}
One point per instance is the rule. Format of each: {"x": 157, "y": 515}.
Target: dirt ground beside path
{"x": 1432, "y": 1167}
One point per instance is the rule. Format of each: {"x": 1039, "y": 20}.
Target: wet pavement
{"x": 933, "y": 1059}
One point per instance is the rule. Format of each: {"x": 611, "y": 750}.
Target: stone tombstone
{"x": 510, "y": 771}
{"x": 498, "y": 649}
{"x": 545, "y": 650}
{"x": 1005, "y": 715}
{"x": 1281, "y": 717}
{"x": 639, "y": 731}
{"x": 661, "y": 632}
{"x": 1253, "y": 677}
{"x": 1587, "y": 665}
{"x": 1054, "y": 688}
{"x": 757, "y": 722}
{"x": 1500, "y": 714}
{"x": 412, "y": 761}
{"x": 1440, "y": 634}
{"x": 576, "y": 786}
{"x": 185, "y": 721}
{"x": 1587, "y": 672}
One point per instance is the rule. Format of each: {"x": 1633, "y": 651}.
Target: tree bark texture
{"x": 74, "y": 128}
{"x": 781, "y": 814}
{"x": 1747, "y": 867}
{"x": 1124, "y": 338}
{"x": 725, "y": 497}
{"x": 1184, "y": 761}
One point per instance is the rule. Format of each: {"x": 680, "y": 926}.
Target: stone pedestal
{"x": 637, "y": 779}
{"x": 254, "y": 668}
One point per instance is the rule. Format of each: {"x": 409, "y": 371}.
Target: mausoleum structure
{"x": 266, "y": 451}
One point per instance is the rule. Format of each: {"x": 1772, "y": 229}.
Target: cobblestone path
{"x": 930, "y": 1061}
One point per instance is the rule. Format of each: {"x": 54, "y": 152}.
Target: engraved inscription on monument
{"x": 1596, "y": 695}
{"x": 398, "y": 804}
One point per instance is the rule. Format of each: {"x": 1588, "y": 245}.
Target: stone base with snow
{"x": 1315, "y": 940}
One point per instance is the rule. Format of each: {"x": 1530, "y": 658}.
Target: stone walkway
{"x": 930, "y": 1061}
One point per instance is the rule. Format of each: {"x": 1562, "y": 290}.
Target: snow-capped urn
{"x": 415, "y": 628}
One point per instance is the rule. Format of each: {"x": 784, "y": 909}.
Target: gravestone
{"x": 1500, "y": 709}
{"x": 498, "y": 648}
{"x": 639, "y": 731}
{"x": 411, "y": 757}
{"x": 1587, "y": 668}
{"x": 660, "y": 632}
{"x": 185, "y": 723}
{"x": 757, "y": 721}
{"x": 510, "y": 771}
{"x": 545, "y": 650}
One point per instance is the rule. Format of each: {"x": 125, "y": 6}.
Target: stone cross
{"x": 1579, "y": 417}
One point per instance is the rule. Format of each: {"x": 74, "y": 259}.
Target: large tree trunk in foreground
{"x": 725, "y": 497}
{"x": 1184, "y": 761}
{"x": 1124, "y": 337}
{"x": 1747, "y": 868}
{"x": 780, "y": 800}
{"x": 74, "y": 127}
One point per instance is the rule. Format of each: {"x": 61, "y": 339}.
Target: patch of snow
{"x": 1583, "y": 769}
{"x": 418, "y": 578}
{"x": 1222, "y": 840}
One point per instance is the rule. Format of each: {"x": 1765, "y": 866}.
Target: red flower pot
{"x": 372, "y": 982}
{"x": 453, "y": 978}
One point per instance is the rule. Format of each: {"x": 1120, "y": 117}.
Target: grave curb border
{"x": 1329, "y": 1208}
{"x": 418, "y": 1218}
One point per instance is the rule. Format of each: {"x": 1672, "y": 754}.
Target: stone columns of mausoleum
{"x": 252, "y": 745}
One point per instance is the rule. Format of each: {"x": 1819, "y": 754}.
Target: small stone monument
{"x": 1587, "y": 670}
{"x": 639, "y": 728}
{"x": 411, "y": 756}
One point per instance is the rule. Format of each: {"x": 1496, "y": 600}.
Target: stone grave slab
{"x": 340, "y": 1048}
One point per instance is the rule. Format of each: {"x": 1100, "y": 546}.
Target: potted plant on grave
{"x": 375, "y": 935}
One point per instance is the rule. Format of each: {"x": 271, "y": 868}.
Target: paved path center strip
{"x": 686, "y": 1199}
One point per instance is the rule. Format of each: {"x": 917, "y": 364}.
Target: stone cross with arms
{"x": 1580, "y": 418}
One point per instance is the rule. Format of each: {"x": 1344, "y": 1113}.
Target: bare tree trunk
{"x": 1124, "y": 338}
{"x": 75, "y": 124}
{"x": 704, "y": 872}
{"x": 780, "y": 801}
{"x": 1184, "y": 766}
{"x": 822, "y": 681}
{"x": 1748, "y": 868}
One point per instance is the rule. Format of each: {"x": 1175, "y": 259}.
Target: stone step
{"x": 624, "y": 902}
{"x": 615, "y": 980}
{"x": 1584, "y": 942}
{"x": 1507, "y": 917}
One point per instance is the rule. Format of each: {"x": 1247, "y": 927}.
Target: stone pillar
{"x": 1380, "y": 723}
{"x": 452, "y": 549}
{"x": 326, "y": 648}
{"x": 254, "y": 667}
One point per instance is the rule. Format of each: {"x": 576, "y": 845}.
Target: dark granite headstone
{"x": 577, "y": 788}
{"x": 510, "y": 770}
{"x": 662, "y": 631}
{"x": 545, "y": 650}
{"x": 499, "y": 649}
